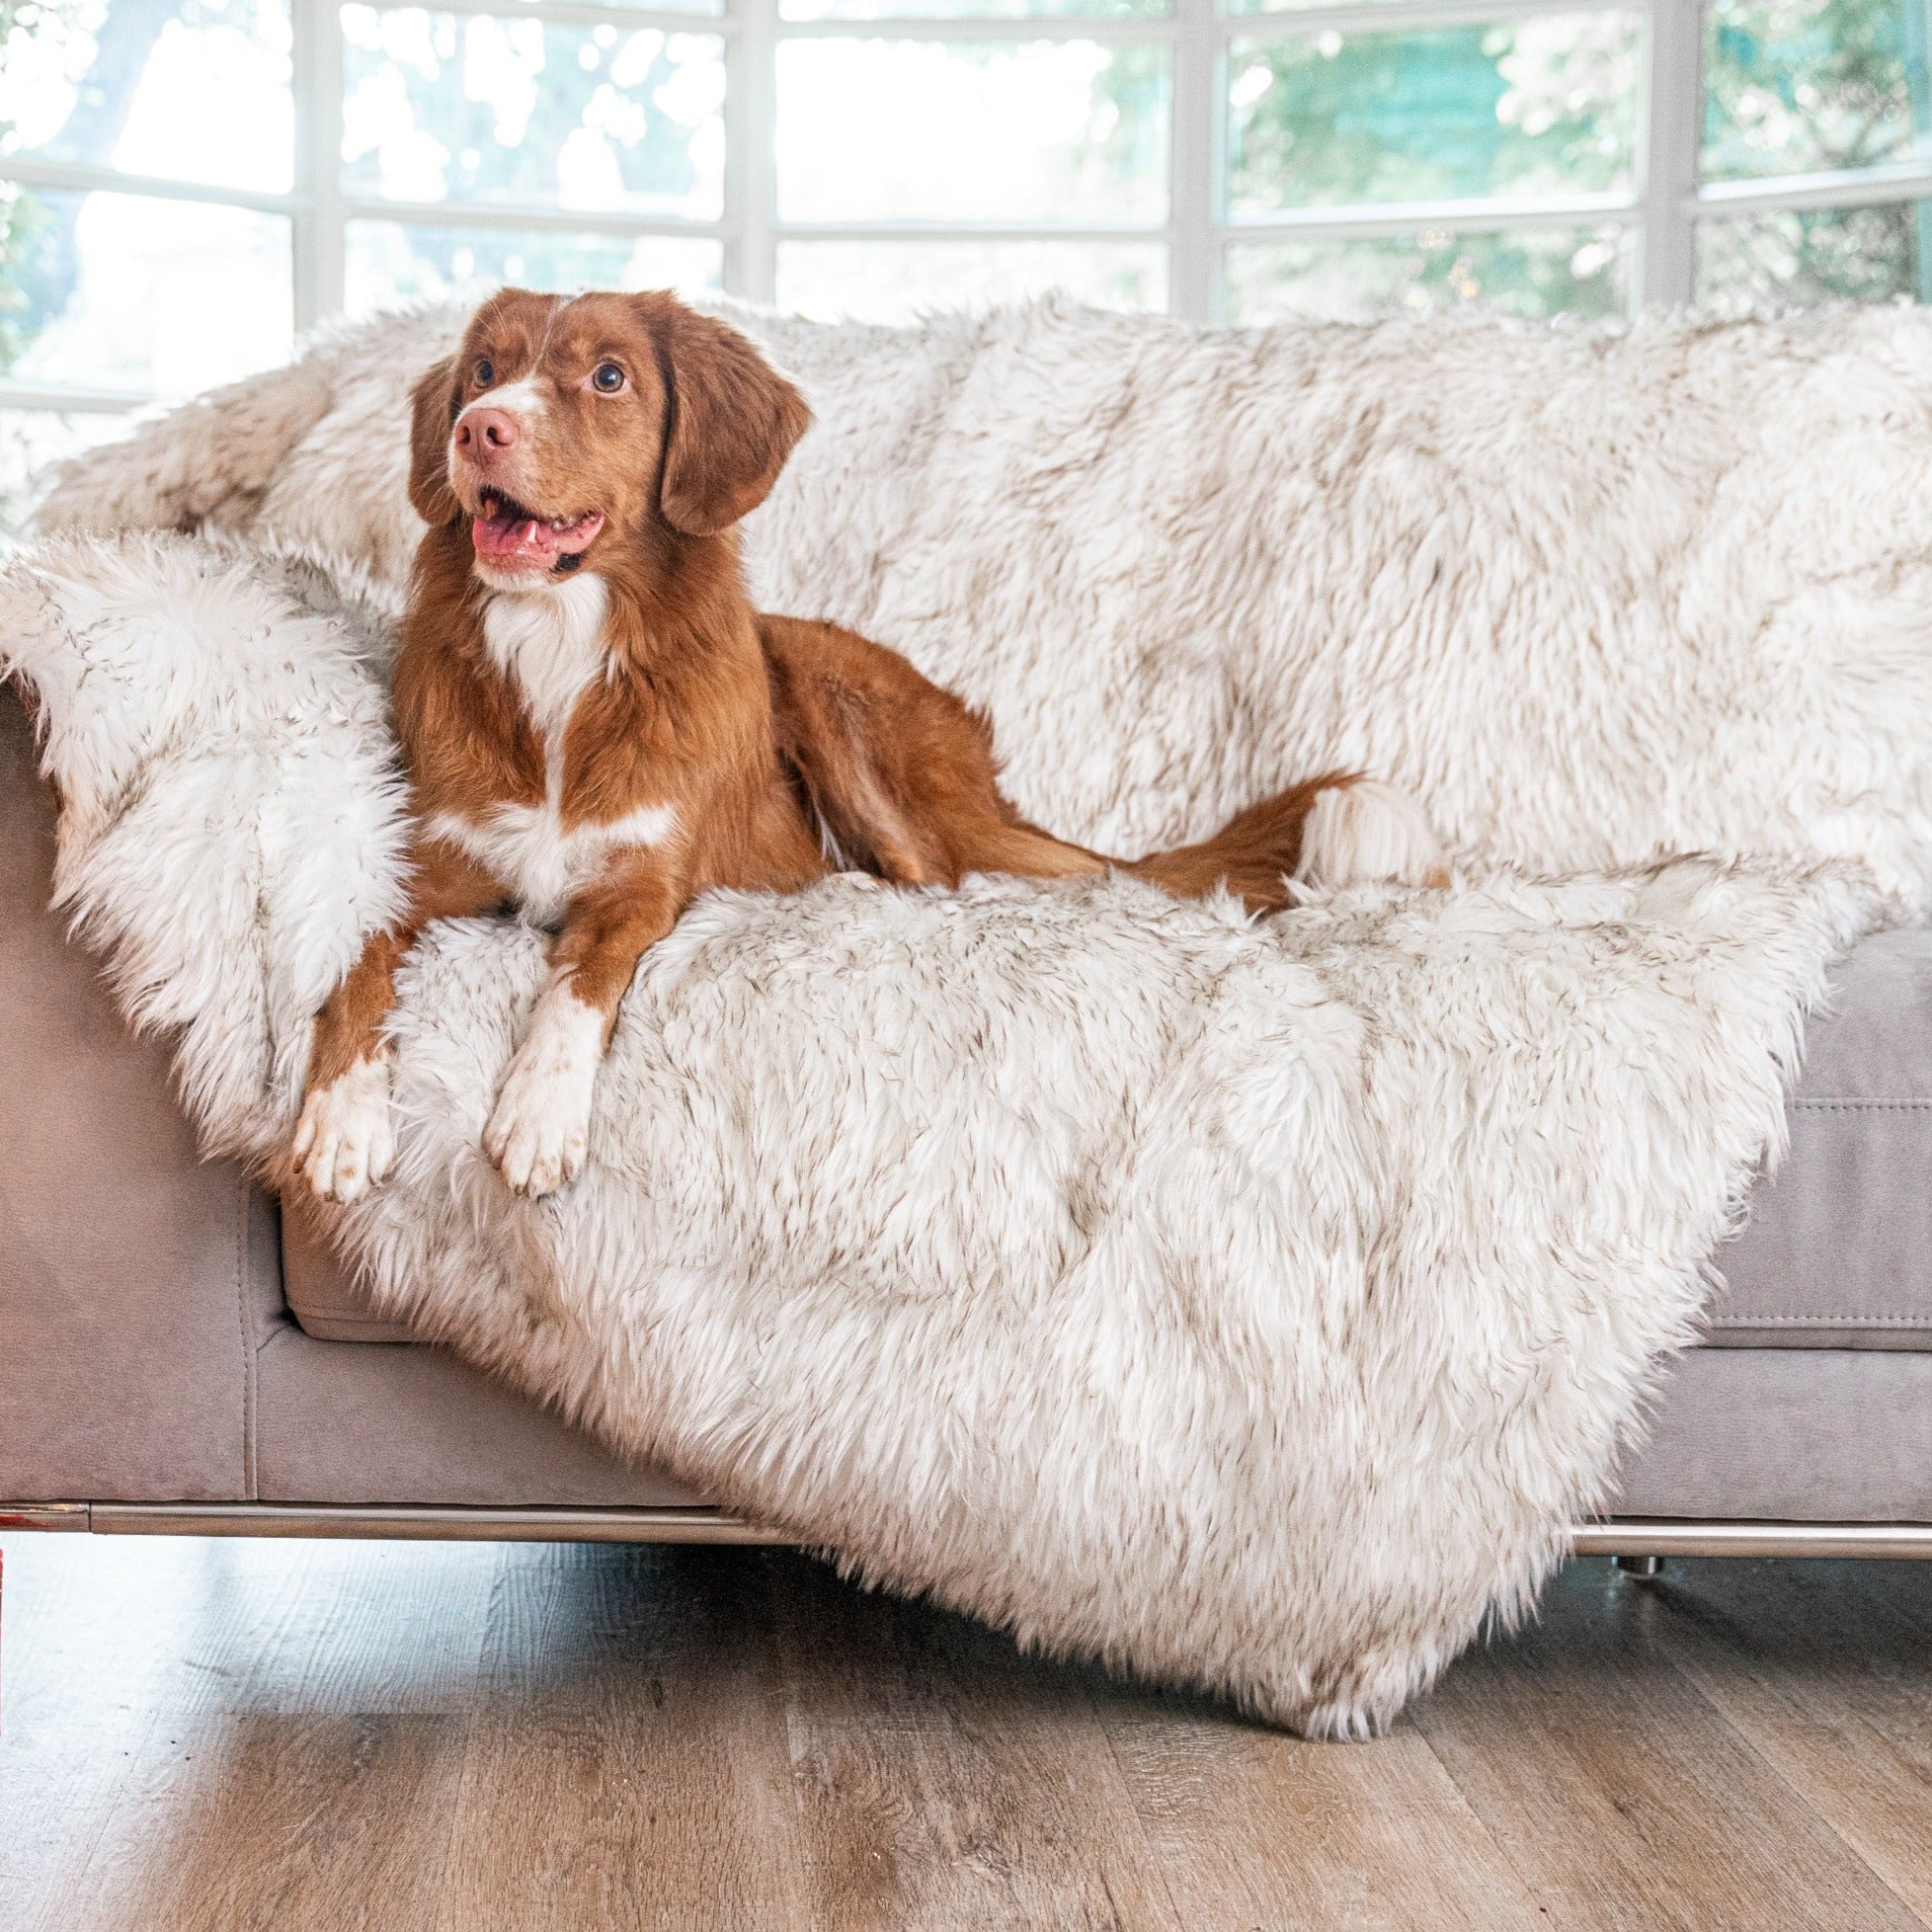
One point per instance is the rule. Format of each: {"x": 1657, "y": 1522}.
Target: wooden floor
{"x": 315, "y": 1737}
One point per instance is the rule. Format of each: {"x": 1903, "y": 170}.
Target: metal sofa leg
{"x": 1644, "y": 1568}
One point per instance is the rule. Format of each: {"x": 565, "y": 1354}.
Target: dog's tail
{"x": 902, "y": 780}
{"x": 1334, "y": 831}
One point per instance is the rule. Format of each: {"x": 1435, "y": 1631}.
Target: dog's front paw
{"x": 344, "y": 1141}
{"x": 540, "y": 1128}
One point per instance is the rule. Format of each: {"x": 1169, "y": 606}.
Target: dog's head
{"x": 562, "y": 425}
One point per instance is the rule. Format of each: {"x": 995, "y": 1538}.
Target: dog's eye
{"x": 486, "y": 373}
{"x": 607, "y": 378}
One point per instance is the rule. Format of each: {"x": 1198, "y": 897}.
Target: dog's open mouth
{"x": 511, "y": 538}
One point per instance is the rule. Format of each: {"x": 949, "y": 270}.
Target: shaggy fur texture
{"x": 1249, "y": 1303}
{"x": 1590, "y": 599}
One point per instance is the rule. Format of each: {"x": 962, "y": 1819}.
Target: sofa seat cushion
{"x": 1817, "y": 1435}
{"x": 1838, "y": 1249}
{"x": 323, "y": 1294}
{"x": 346, "y": 1425}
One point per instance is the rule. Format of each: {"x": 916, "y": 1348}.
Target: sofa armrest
{"x": 137, "y": 1280}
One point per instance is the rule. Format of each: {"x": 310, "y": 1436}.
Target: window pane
{"x": 909, "y": 131}
{"x": 1540, "y": 106}
{"x": 1289, "y": 6}
{"x": 968, "y": 9}
{"x": 1525, "y": 271}
{"x": 390, "y": 264}
{"x": 1795, "y": 85}
{"x": 32, "y": 441}
{"x": 120, "y": 291}
{"x": 438, "y": 108}
{"x": 896, "y": 282}
{"x": 196, "y": 89}
{"x": 1806, "y": 255}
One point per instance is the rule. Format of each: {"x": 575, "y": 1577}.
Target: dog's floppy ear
{"x": 433, "y": 409}
{"x": 732, "y": 420}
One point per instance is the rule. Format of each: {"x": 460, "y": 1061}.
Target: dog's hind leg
{"x": 899, "y": 773}
{"x": 902, "y": 778}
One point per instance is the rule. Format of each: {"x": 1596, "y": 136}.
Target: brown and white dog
{"x": 597, "y": 726}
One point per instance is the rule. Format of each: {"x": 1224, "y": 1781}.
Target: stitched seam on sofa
{"x": 1858, "y": 1107}
{"x": 1834, "y": 1320}
{"x": 242, "y": 1233}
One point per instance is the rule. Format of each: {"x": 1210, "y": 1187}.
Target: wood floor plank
{"x": 295, "y": 1823}
{"x": 359, "y": 1628}
{"x": 626, "y": 1763}
{"x": 946, "y": 1784}
{"x": 176, "y": 1653}
{"x": 1255, "y": 1828}
{"x": 211, "y": 1736}
{"x": 1622, "y": 1796}
{"x": 1840, "y": 1704}
{"x": 85, "y": 1677}
{"x": 1904, "y": 1588}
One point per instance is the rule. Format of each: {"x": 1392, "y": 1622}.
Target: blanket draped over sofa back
{"x": 1247, "y": 1303}
{"x": 1594, "y": 598}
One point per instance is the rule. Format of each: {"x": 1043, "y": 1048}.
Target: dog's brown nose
{"x": 482, "y": 433}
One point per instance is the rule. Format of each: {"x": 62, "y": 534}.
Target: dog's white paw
{"x": 1366, "y": 831}
{"x": 344, "y": 1141}
{"x": 540, "y": 1128}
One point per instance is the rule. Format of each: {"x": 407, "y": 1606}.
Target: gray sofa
{"x": 176, "y": 1355}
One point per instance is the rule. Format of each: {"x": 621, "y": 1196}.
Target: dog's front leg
{"x": 344, "y": 1142}
{"x": 539, "y": 1130}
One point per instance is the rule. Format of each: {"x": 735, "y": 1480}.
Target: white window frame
{"x": 1659, "y": 211}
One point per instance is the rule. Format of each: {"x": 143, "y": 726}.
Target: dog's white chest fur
{"x": 549, "y": 644}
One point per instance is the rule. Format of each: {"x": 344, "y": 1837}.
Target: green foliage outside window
{"x": 18, "y": 218}
{"x": 1793, "y": 86}
{"x": 488, "y": 109}
{"x": 1546, "y": 105}
{"x": 1436, "y": 116}
{"x": 38, "y": 267}
{"x": 1531, "y": 107}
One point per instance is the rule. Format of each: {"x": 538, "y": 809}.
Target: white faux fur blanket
{"x": 1251, "y": 1304}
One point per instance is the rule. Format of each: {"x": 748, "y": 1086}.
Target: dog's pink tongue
{"x": 510, "y": 538}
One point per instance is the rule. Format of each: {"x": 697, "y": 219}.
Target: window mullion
{"x": 1383, "y": 16}
{"x": 89, "y": 178}
{"x": 571, "y": 13}
{"x": 59, "y": 399}
{"x": 319, "y": 238}
{"x": 1194, "y": 176}
{"x": 1833, "y": 187}
{"x": 1673, "y": 108}
{"x": 750, "y": 256}
{"x": 973, "y": 29}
